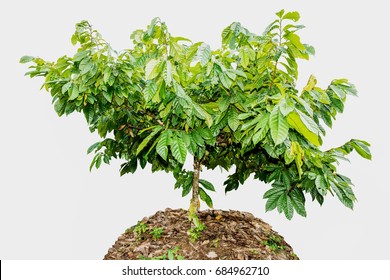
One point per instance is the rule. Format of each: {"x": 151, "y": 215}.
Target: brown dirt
{"x": 229, "y": 235}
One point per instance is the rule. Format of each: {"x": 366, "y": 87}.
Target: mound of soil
{"x": 229, "y": 235}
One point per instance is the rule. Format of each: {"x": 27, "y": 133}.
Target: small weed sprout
{"x": 156, "y": 233}
{"x": 274, "y": 243}
{"x": 140, "y": 229}
{"x": 195, "y": 232}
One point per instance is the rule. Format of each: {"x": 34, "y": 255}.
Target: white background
{"x": 52, "y": 207}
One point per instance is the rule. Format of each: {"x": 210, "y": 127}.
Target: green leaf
{"x": 289, "y": 156}
{"x": 207, "y": 185}
{"x": 301, "y": 125}
{"x": 223, "y": 104}
{"x": 244, "y": 116}
{"x": 204, "y": 54}
{"x": 310, "y": 84}
{"x": 231, "y": 74}
{"x": 199, "y": 111}
{"x": 225, "y": 80}
{"x": 151, "y": 69}
{"x": 129, "y": 167}
{"x": 309, "y": 123}
{"x": 168, "y": 69}
{"x": 162, "y": 145}
{"x": 178, "y": 148}
{"x": 108, "y": 95}
{"x": 97, "y": 160}
{"x": 281, "y": 203}
{"x": 66, "y": 87}
{"x": 350, "y": 88}
{"x": 205, "y": 197}
{"x": 142, "y": 162}
{"x": 181, "y": 93}
{"x": 258, "y": 136}
{"x": 59, "y": 107}
{"x": 26, "y": 59}
{"x": 171, "y": 256}
{"x": 74, "y": 39}
{"x": 231, "y": 185}
{"x": 337, "y": 104}
{"x": 340, "y": 192}
{"x": 233, "y": 118}
{"x": 244, "y": 57}
{"x": 299, "y": 154}
{"x": 292, "y": 15}
{"x": 286, "y": 106}
{"x": 258, "y": 120}
{"x": 278, "y": 126}
{"x": 326, "y": 117}
{"x": 161, "y": 91}
{"x": 152, "y": 26}
{"x": 339, "y": 92}
{"x": 310, "y": 49}
{"x": 321, "y": 185}
{"x": 320, "y": 95}
{"x": 85, "y": 66}
{"x": 361, "y": 148}
{"x": 209, "y": 120}
{"x": 298, "y": 201}
{"x": 197, "y": 138}
{"x": 205, "y": 133}
{"x": 280, "y": 13}
{"x": 147, "y": 139}
{"x": 288, "y": 208}
{"x": 133, "y": 165}
{"x": 286, "y": 179}
{"x": 274, "y": 191}
{"x": 107, "y": 73}
{"x": 150, "y": 90}
{"x": 75, "y": 92}
{"x": 295, "y": 40}
{"x": 93, "y": 147}
{"x": 273, "y": 199}
{"x": 106, "y": 159}
{"x": 187, "y": 186}
{"x": 80, "y": 55}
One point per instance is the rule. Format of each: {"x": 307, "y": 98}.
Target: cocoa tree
{"x": 237, "y": 107}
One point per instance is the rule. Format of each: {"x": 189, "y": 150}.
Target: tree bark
{"x": 194, "y": 206}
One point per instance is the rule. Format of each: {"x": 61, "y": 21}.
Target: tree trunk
{"x": 194, "y": 204}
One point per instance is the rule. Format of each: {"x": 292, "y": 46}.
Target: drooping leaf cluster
{"x": 236, "y": 107}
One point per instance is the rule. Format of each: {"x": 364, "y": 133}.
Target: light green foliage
{"x": 156, "y": 232}
{"x": 275, "y": 243}
{"x": 140, "y": 229}
{"x": 195, "y": 232}
{"x": 166, "y": 98}
{"x": 173, "y": 254}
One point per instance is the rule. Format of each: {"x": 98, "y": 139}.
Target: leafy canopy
{"x": 238, "y": 106}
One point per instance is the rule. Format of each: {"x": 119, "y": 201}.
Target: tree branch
{"x": 277, "y": 61}
{"x": 150, "y": 114}
{"x": 93, "y": 40}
